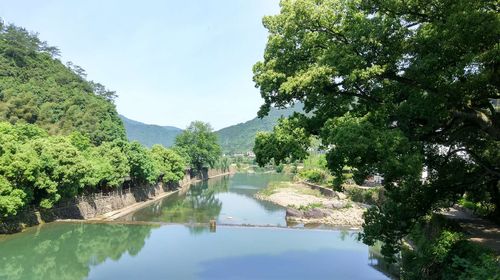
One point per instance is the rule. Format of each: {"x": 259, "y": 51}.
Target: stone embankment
{"x": 104, "y": 206}
{"x": 308, "y": 205}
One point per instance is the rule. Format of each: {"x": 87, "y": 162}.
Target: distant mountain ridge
{"x": 240, "y": 138}
{"x": 150, "y": 134}
{"x": 235, "y": 139}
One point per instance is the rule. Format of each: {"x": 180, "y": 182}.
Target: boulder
{"x": 292, "y": 212}
{"x": 315, "y": 213}
{"x": 340, "y": 195}
{"x": 336, "y": 204}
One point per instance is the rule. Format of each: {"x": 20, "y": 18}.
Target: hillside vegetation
{"x": 36, "y": 88}
{"x": 60, "y": 135}
{"x": 240, "y": 138}
{"x": 149, "y": 134}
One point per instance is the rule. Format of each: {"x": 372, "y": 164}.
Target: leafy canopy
{"x": 393, "y": 87}
{"x": 38, "y": 169}
{"x": 200, "y": 144}
{"x": 36, "y": 88}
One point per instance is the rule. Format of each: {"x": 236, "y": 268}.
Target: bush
{"x": 279, "y": 168}
{"x": 314, "y": 175}
{"x": 479, "y": 208}
{"x": 368, "y": 196}
{"x": 441, "y": 252}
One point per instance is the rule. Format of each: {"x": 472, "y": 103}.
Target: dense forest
{"x": 60, "y": 135}
{"x": 36, "y": 88}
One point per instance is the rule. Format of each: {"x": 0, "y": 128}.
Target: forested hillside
{"x": 240, "y": 138}
{"x": 36, "y": 88}
{"x": 60, "y": 135}
{"x": 149, "y": 134}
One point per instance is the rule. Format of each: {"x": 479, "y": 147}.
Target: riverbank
{"x": 310, "y": 206}
{"x": 104, "y": 206}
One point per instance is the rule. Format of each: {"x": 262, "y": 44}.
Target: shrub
{"x": 368, "y": 196}
{"x": 314, "y": 175}
{"x": 441, "y": 252}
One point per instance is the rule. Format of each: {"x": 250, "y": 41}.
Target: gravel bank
{"x": 308, "y": 206}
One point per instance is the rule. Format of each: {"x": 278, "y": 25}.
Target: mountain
{"x": 149, "y": 134}
{"x": 36, "y": 88}
{"x": 240, "y": 138}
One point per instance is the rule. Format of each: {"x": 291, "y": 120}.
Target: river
{"x": 252, "y": 240}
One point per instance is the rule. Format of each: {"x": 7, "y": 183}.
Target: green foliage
{"x": 314, "y": 175}
{"x": 315, "y": 161}
{"x": 481, "y": 208}
{"x": 148, "y": 134}
{"x": 288, "y": 141}
{"x": 391, "y": 87}
{"x": 372, "y": 196}
{"x": 223, "y": 163}
{"x": 109, "y": 165}
{"x": 38, "y": 169}
{"x": 11, "y": 199}
{"x": 279, "y": 168}
{"x": 240, "y": 138}
{"x": 53, "y": 166}
{"x": 199, "y": 142}
{"x": 310, "y": 206}
{"x": 36, "y": 88}
{"x": 442, "y": 253}
{"x": 170, "y": 165}
{"x": 142, "y": 165}
{"x": 60, "y": 135}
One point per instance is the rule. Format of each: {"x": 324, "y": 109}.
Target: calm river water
{"x": 186, "y": 250}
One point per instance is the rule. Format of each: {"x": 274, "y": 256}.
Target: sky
{"x": 170, "y": 62}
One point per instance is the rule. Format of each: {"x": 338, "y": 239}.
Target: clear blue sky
{"x": 170, "y": 62}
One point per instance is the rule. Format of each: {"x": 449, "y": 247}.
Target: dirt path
{"x": 479, "y": 230}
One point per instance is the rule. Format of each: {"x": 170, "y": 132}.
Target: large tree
{"x": 395, "y": 87}
{"x": 199, "y": 143}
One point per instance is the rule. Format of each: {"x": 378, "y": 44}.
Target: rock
{"x": 340, "y": 195}
{"x": 292, "y": 212}
{"x": 336, "y": 204}
{"x": 315, "y": 213}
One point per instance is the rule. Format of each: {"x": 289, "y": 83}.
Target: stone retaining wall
{"x": 92, "y": 205}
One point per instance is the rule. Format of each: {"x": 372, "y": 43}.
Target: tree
{"x": 140, "y": 160}
{"x": 11, "y": 199}
{"x": 168, "y": 163}
{"x": 199, "y": 142}
{"x": 287, "y": 140}
{"x": 109, "y": 165}
{"x": 393, "y": 87}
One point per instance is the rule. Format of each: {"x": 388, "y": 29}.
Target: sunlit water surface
{"x": 190, "y": 251}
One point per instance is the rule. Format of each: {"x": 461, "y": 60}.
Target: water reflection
{"x": 229, "y": 200}
{"x": 67, "y": 251}
{"x": 124, "y": 251}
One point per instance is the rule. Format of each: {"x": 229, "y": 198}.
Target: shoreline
{"x": 307, "y": 205}
{"x": 118, "y": 213}
{"x": 98, "y": 207}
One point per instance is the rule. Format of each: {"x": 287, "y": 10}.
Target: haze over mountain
{"x": 150, "y": 134}
{"x": 240, "y": 138}
{"x": 235, "y": 139}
